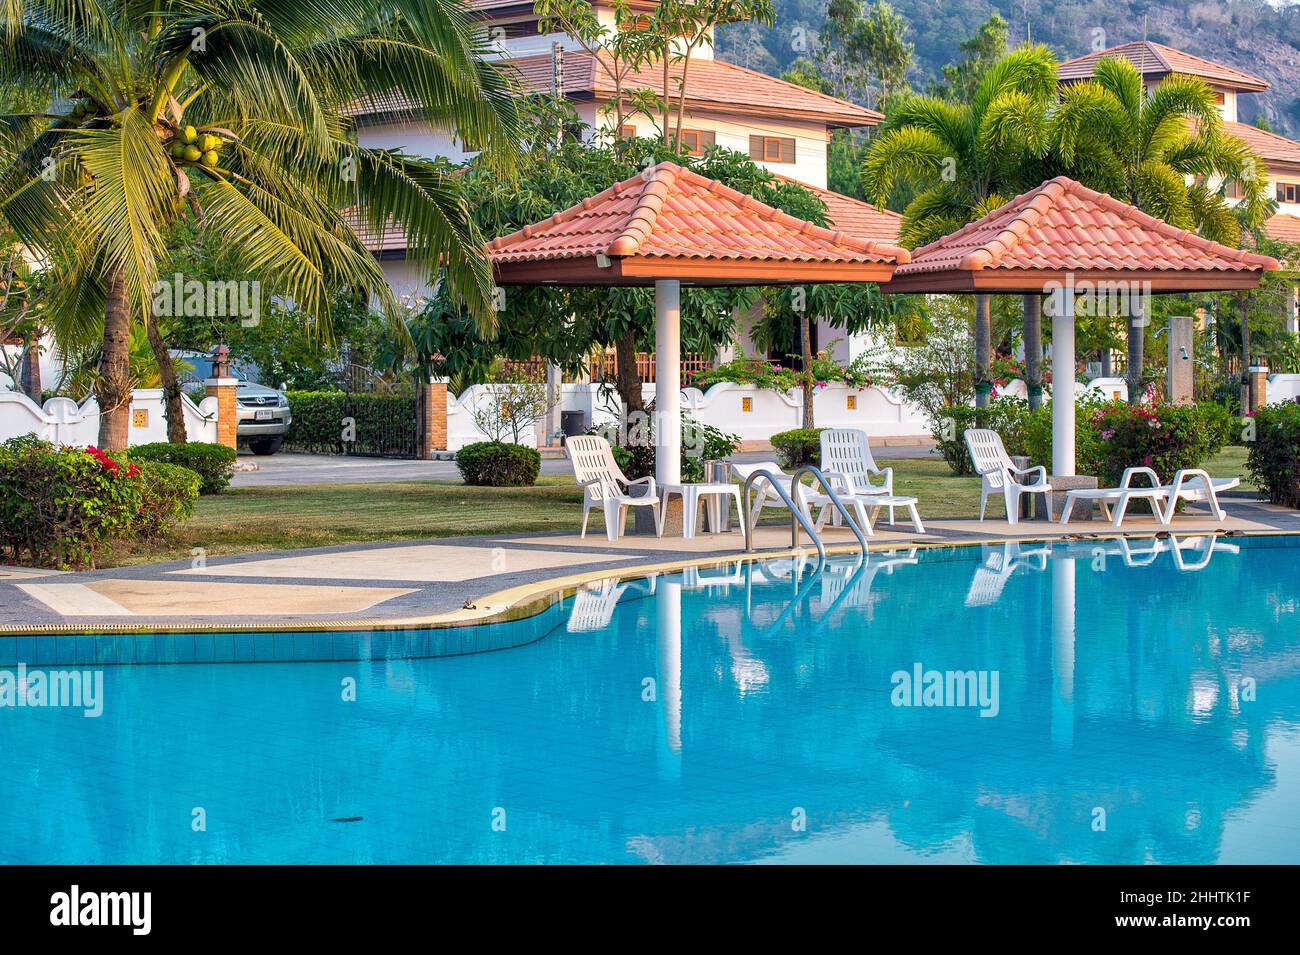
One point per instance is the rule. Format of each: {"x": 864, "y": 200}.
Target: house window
{"x": 696, "y": 141}
{"x": 627, "y": 131}
{"x": 1232, "y": 188}
{"x": 1219, "y": 97}
{"x": 771, "y": 149}
{"x": 498, "y": 32}
{"x": 1288, "y": 192}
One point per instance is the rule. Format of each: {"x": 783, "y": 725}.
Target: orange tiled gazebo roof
{"x": 1064, "y": 228}
{"x": 672, "y": 223}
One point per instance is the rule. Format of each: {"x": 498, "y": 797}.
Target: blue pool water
{"x": 1147, "y": 710}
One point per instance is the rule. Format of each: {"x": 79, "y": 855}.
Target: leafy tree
{"x": 1140, "y": 145}
{"x": 979, "y": 53}
{"x": 966, "y": 159}
{"x": 234, "y": 114}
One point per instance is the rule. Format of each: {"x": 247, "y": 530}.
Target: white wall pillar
{"x": 668, "y": 381}
{"x": 1062, "y": 303}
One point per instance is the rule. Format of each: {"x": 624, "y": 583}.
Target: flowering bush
{"x": 60, "y": 507}
{"x": 764, "y": 373}
{"x": 63, "y": 507}
{"x": 1113, "y": 435}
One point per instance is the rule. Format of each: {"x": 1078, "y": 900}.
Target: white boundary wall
{"x": 880, "y": 412}
{"x": 63, "y": 421}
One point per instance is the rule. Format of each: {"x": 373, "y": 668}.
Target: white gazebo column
{"x": 668, "y": 381}
{"x": 1062, "y": 301}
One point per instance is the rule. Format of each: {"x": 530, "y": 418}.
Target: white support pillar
{"x": 668, "y": 640}
{"x": 668, "y": 381}
{"x": 1063, "y": 643}
{"x": 1062, "y": 302}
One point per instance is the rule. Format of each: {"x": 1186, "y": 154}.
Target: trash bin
{"x": 573, "y": 423}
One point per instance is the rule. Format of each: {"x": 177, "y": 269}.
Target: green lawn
{"x": 281, "y": 518}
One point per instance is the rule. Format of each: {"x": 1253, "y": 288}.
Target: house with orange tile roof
{"x": 784, "y": 127}
{"x": 1155, "y": 61}
{"x": 1281, "y": 156}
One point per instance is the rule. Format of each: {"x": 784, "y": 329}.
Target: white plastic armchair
{"x": 847, "y": 461}
{"x": 998, "y": 473}
{"x": 604, "y": 485}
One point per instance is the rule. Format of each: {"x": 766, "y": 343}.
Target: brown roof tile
{"x": 1157, "y": 59}
{"x": 671, "y": 212}
{"x": 1062, "y": 225}
{"x": 713, "y": 85}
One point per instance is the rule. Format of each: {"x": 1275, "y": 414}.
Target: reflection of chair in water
{"x": 593, "y": 606}
{"x": 1207, "y": 546}
{"x": 1000, "y": 562}
{"x": 731, "y": 573}
{"x": 840, "y": 577}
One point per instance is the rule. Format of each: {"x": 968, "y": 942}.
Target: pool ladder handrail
{"x": 797, "y": 516}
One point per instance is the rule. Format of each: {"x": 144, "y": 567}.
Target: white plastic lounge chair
{"x": 848, "y": 465}
{"x": 605, "y": 485}
{"x": 766, "y": 494}
{"x": 998, "y": 473}
{"x": 1190, "y": 484}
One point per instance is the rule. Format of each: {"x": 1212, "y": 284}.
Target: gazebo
{"x": 1063, "y": 240}
{"x": 670, "y": 227}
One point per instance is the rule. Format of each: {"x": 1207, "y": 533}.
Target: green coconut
{"x": 190, "y": 134}
{"x": 210, "y": 158}
{"x": 192, "y": 154}
{"x": 210, "y": 143}
{"x": 178, "y": 150}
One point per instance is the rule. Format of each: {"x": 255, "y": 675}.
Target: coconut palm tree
{"x": 966, "y": 159}
{"x": 1142, "y": 146}
{"x": 235, "y": 114}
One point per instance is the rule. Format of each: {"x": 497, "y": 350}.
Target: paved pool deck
{"x": 467, "y": 578}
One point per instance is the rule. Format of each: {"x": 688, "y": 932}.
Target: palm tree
{"x": 234, "y": 113}
{"x": 1141, "y": 146}
{"x": 966, "y": 159}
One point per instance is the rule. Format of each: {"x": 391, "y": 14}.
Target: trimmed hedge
{"x": 213, "y": 463}
{"x": 168, "y": 495}
{"x": 496, "y": 464}
{"x": 60, "y": 507}
{"x": 1274, "y": 456}
{"x": 798, "y": 447}
{"x": 381, "y": 425}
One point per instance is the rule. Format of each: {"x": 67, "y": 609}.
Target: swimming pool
{"x": 1096, "y": 702}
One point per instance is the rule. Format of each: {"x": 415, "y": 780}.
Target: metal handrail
{"x": 816, "y": 472}
{"x": 797, "y": 517}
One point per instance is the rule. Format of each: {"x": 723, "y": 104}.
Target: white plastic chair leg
{"x": 1012, "y": 499}
{"x": 916, "y": 519}
{"x": 613, "y": 518}
{"x": 690, "y": 504}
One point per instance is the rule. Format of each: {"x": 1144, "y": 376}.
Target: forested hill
{"x": 1253, "y": 35}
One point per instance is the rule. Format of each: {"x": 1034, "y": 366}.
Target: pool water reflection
{"x": 1148, "y": 710}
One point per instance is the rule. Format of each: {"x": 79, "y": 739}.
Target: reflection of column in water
{"x": 1063, "y": 651}
{"x": 668, "y": 631}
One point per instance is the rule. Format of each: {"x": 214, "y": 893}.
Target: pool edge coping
{"x": 528, "y": 600}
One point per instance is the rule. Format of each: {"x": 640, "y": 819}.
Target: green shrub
{"x": 213, "y": 463}
{"x": 798, "y": 447}
{"x": 1273, "y": 457}
{"x": 380, "y": 425}
{"x": 168, "y": 493}
{"x": 1009, "y": 417}
{"x": 494, "y": 464}
{"x": 61, "y": 507}
{"x": 700, "y": 443}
